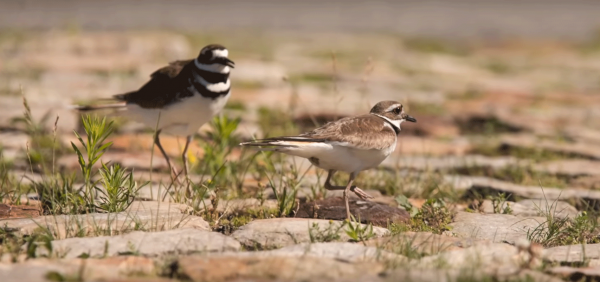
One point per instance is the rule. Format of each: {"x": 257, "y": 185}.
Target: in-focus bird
{"x": 179, "y": 98}
{"x": 350, "y": 144}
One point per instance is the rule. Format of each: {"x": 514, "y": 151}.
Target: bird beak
{"x": 227, "y": 62}
{"x": 409, "y": 118}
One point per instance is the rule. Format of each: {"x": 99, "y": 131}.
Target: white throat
{"x": 395, "y": 123}
{"x": 218, "y": 68}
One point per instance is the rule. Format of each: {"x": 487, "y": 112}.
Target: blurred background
{"x": 506, "y": 94}
{"x": 518, "y": 79}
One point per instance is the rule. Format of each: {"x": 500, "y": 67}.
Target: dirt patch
{"x": 485, "y": 124}
{"x": 18, "y": 211}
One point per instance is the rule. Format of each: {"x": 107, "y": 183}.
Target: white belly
{"x": 341, "y": 158}
{"x": 182, "y": 118}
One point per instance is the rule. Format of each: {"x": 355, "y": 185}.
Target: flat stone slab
{"x": 422, "y": 275}
{"x": 494, "y": 227}
{"x": 570, "y": 167}
{"x": 151, "y": 244}
{"x": 489, "y": 258}
{"x": 352, "y": 252}
{"x": 276, "y": 268}
{"x": 149, "y": 216}
{"x": 365, "y": 211}
{"x": 423, "y": 242}
{"x": 449, "y": 162}
{"x": 540, "y": 207}
{"x": 454, "y": 275}
{"x": 591, "y": 182}
{"x": 573, "y": 253}
{"x": 87, "y": 269}
{"x": 577, "y": 274}
{"x": 582, "y": 133}
{"x": 486, "y": 185}
{"x": 583, "y": 149}
{"x": 241, "y": 205}
{"x": 157, "y": 192}
{"x": 14, "y": 139}
{"x": 281, "y": 232}
{"x": 532, "y": 208}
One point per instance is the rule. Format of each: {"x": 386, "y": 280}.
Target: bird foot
{"x": 360, "y": 193}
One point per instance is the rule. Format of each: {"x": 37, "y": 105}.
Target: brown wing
{"x": 172, "y": 70}
{"x": 363, "y": 132}
{"x": 164, "y": 87}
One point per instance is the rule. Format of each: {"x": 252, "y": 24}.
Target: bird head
{"x": 392, "y": 111}
{"x": 215, "y": 54}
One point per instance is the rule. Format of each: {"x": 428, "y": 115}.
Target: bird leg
{"x": 184, "y": 155}
{"x": 359, "y": 192}
{"x": 346, "y": 196}
{"x": 188, "y": 139}
{"x": 171, "y": 168}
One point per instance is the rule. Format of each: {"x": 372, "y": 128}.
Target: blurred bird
{"x": 179, "y": 98}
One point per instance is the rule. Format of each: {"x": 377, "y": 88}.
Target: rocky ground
{"x": 498, "y": 180}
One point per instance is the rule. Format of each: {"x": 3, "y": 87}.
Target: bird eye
{"x": 397, "y": 111}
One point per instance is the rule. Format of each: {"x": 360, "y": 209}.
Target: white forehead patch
{"x": 220, "y": 53}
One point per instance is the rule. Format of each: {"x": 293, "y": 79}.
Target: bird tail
{"x": 121, "y": 101}
{"x": 89, "y": 108}
{"x": 279, "y": 144}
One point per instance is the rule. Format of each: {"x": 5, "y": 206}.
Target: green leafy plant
{"x": 434, "y": 216}
{"x": 119, "y": 189}
{"x": 500, "y": 205}
{"x": 114, "y": 191}
{"x": 357, "y": 232}
{"x": 97, "y": 130}
{"x": 286, "y": 199}
{"x": 220, "y": 143}
{"x": 328, "y": 234}
{"x": 404, "y": 203}
{"x": 218, "y": 146}
{"x": 561, "y": 230}
{"x": 58, "y": 196}
{"x": 284, "y": 180}
{"x": 37, "y": 240}
{"x": 205, "y": 200}
{"x": 8, "y": 190}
